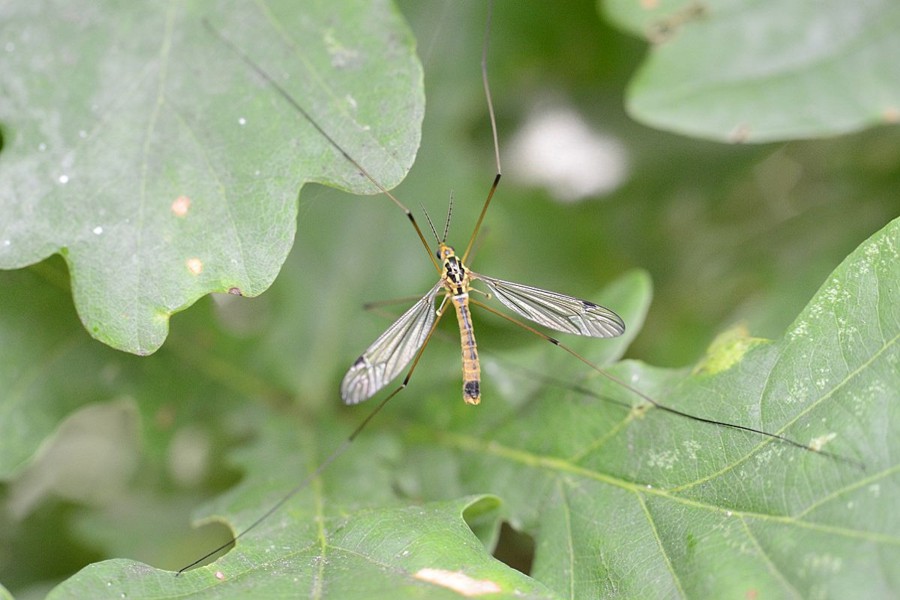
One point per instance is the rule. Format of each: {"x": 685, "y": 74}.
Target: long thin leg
{"x": 300, "y": 486}
{"x": 290, "y": 100}
{"x": 660, "y": 406}
{"x": 490, "y": 104}
{"x": 335, "y": 454}
{"x": 405, "y": 300}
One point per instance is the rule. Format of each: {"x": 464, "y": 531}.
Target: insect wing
{"x": 391, "y": 352}
{"x": 554, "y": 310}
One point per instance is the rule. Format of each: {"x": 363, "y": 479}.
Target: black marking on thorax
{"x": 456, "y": 275}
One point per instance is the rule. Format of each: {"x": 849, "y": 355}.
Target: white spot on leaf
{"x": 692, "y": 448}
{"x": 800, "y": 330}
{"x": 181, "y": 205}
{"x": 195, "y": 265}
{"x": 341, "y": 56}
{"x": 664, "y": 459}
{"x": 818, "y": 443}
{"x": 739, "y": 134}
{"x": 458, "y": 581}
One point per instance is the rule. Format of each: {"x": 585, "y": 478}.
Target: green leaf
{"x": 141, "y": 149}
{"x": 242, "y": 401}
{"x": 708, "y": 512}
{"x": 764, "y": 71}
{"x": 704, "y": 511}
{"x": 405, "y": 552}
{"x": 353, "y": 526}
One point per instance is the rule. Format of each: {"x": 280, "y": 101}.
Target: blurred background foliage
{"x": 730, "y": 234}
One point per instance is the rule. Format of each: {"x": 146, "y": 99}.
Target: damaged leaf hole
{"x": 515, "y": 549}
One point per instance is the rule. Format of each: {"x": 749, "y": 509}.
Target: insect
{"x": 386, "y": 358}
{"x": 402, "y": 344}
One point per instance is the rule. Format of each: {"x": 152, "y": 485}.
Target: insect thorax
{"x": 455, "y": 276}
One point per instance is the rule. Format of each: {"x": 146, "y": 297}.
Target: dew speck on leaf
{"x": 242, "y": 121}
{"x": 64, "y": 179}
{"x": 97, "y": 230}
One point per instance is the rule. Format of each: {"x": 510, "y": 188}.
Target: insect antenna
{"x": 447, "y": 221}
{"x": 442, "y": 239}
{"x": 433, "y": 230}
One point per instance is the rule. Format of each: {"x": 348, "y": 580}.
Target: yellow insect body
{"x": 455, "y": 279}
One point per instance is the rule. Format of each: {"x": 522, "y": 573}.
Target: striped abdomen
{"x": 471, "y": 366}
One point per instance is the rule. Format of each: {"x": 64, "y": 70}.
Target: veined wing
{"x": 391, "y": 352}
{"x": 554, "y": 310}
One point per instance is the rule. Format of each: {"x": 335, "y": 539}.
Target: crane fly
{"x": 402, "y": 344}
{"x": 386, "y": 358}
